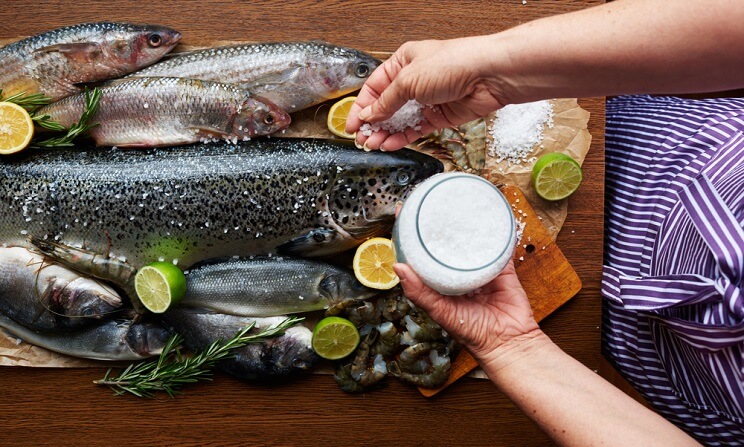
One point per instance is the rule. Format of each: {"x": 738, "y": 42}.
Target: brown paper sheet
{"x": 569, "y": 134}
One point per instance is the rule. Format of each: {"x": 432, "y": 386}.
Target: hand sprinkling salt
{"x": 407, "y": 116}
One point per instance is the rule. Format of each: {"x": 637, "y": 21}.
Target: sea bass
{"x": 191, "y": 203}
{"x": 48, "y": 297}
{"x": 293, "y": 75}
{"x": 147, "y": 112}
{"x": 276, "y": 358}
{"x": 270, "y": 286}
{"x": 110, "y": 340}
{"x": 53, "y": 62}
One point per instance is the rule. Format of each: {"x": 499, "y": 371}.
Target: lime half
{"x": 335, "y": 338}
{"x": 159, "y": 285}
{"x": 556, "y": 176}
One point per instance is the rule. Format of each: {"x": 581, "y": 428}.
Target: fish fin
{"x": 80, "y": 50}
{"x": 276, "y": 78}
{"x": 210, "y": 131}
{"x": 311, "y": 242}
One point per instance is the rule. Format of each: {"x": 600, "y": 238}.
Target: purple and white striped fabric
{"x": 673, "y": 314}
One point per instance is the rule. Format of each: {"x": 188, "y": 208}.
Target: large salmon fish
{"x": 191, "y": 203}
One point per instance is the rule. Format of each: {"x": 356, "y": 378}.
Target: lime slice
{"x": 337, "y": 117}
{"x": 335, "y": 338}
{"x": 556, "y": 176}
{"x": 373, "y": 264}
{"x": 160, "y": 285}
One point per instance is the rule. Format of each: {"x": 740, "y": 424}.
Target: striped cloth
{"x": 673, "y": 313}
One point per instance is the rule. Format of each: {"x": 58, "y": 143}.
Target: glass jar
{"x": 456, "y": 231}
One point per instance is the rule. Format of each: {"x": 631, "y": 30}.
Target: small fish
{"x": 52, "y": 63}
{"x": 113, "y": 340}
{"x": 47, "y": 297}
{"x": 292, "y": 75}
{"x": 278, "y": 357}
{"x": 147, "y": 112}
{"x": 270, "y": 286}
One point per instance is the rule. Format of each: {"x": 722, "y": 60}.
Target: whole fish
{"x": 270, "y": 286}
{"x": 278, "y": 357}
{"x": 192, "y": 203}
{"x": 292, "y": 75}
{"x": 110, "y": 340}
{"x": 146, "y": 112}
{"x": 53, "y": 62}
{"x": 47, "y": 297}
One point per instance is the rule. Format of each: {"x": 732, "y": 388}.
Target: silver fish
{"x": 278, "y": 357}
{"x": 192, "y": 203}
{"x": 293, "y": 75}
{"x": 146, "y": 112}
{"x": 48, "y": 297}
{"x": 270, "y": 286}
{"x": 111, "y": 340}
{"x": 53, "y": 62}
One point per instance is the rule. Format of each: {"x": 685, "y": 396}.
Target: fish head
{"x": 147, "y": 339}
{"x": 337, "y": 287}
{"x": 366, "y": 189}
{"x": 343, "y": 71}
{"x": 132, "y": 47}
{"x": 292, "y": 351}
{"x": 258, "y": 116}
{"x": 83, "y": 297}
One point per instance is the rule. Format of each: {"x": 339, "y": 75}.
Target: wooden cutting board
{"x": 545, "y": 273}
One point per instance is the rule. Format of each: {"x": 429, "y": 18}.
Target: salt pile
{"x": 518, "y": 128}
{"x": 407, "y": 116}
{"x": 456, "y": 231}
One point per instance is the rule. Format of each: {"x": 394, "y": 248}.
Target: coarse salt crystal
{"x": 408, "y": 116}
{"x": 518, "y": 128}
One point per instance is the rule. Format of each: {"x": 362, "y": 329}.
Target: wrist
{"x": 514, "y": 352}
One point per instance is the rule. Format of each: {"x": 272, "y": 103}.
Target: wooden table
{"x": 62, "y": 407}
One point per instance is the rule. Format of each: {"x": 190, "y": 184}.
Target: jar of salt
{"x": 456, "y": 231}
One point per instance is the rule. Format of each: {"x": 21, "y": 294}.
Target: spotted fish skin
{"x": 146, "y": 112}
{"x": 191, "y": 203}
{"x": 293, "y": 75}
{"x": 52, "y": 63}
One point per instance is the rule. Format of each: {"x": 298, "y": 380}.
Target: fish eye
{"x": 362, "y": 70}
{"x": 319, "y": 237}
{"x": 269, "y": 119}
{"x": 402, "y": 178}
{"x": 88, "y": 312}
{"x": 154, "y": 40}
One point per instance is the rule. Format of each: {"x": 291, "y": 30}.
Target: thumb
{"x": 391, "y": 99}
{"x": 415, "y": 290}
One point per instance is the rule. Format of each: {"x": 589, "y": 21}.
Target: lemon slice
{"x": 334, "y": 338}
{"x": 373, "y": 264}
{"x": 16, "y": 128}
{"x": 160, "y": 285}
{"x": 556, "y": 176}
{"x": 337, "y": 117}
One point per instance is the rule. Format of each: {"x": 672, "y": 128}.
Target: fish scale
{"x": 191, "y": 203}
{"x": 292, "y": 75}
{"x": 53, "y": 62}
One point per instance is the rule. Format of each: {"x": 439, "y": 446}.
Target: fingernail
{"x": 365, "y": 113}
{"x": 358, "y": 146}
{"x": 382, "y": 149}
{"x": 364, "y": 146}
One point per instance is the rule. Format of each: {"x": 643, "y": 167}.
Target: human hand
{"x": 448, "y": 75}
{"x": 498, "y": 314}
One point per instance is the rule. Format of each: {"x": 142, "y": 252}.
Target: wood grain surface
{"x": 62, "y": 407}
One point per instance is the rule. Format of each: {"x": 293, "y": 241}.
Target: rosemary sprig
{"x": 172, "y": 370}
{"x": 28, "y": 102}
{"x": 92, "y": 100}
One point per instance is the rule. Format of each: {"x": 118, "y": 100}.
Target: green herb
{"x": 28, "y": 102}
{"x": 172, "y": 370}
{"x": 92, "y": 100}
